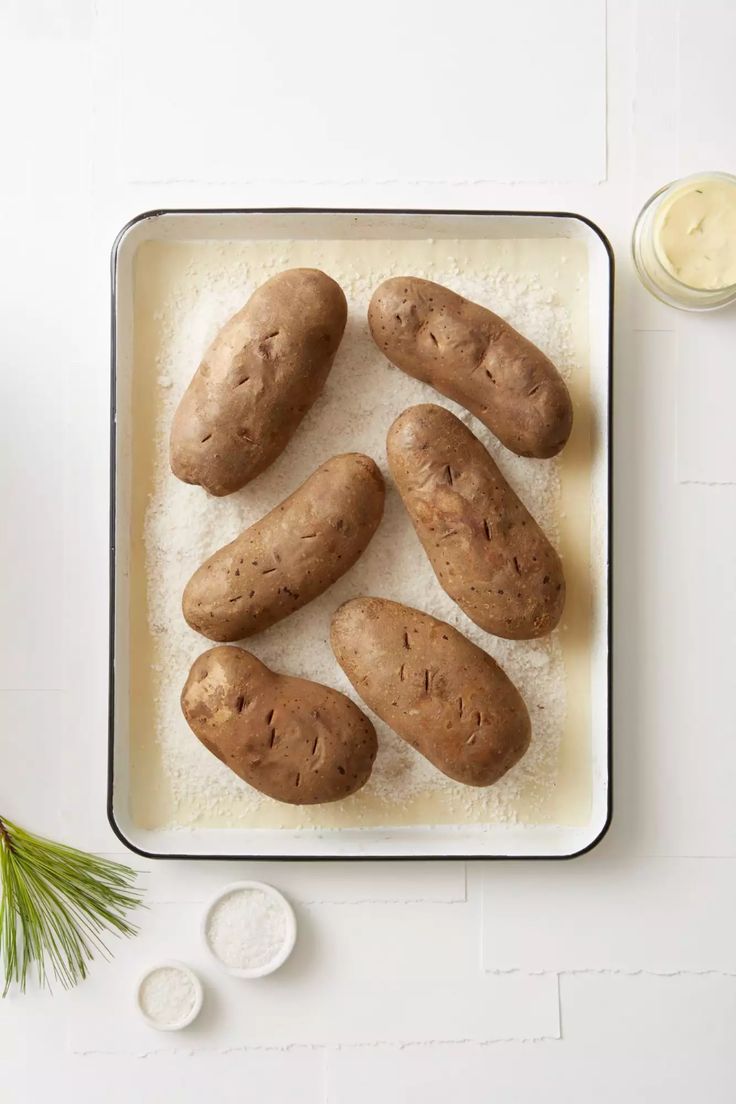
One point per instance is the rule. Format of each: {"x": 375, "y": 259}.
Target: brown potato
{"x": 434, "y": 687}
{"x": 257, "y": 380}
{"x": 294, "y": 740}
{"x": 291, "y": 555}
{"x": 486, "y": 549}
{"x": 476, "y": 358}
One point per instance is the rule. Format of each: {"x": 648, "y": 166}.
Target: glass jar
{"x": 684, "y": 242}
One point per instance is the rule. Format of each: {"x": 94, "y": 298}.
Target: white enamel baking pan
{"x": 419, "y": 841}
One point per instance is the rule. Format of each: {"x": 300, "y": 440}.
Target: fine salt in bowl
{"x": 169, "y": 996}
{"x": 250, "y": 929}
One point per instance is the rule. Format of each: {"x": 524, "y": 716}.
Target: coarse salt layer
{"x": 247, "y": 929}
{"x": 201, "y": 287}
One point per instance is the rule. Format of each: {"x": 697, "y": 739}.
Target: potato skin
{"x": 486, "y": 549}
{"x": 434, "y": 687}
{"x": 291, "y": 555}
{"x": 257, "y": 380}
{"x": 294, "y": 740}
{"x": 475, "y": 358}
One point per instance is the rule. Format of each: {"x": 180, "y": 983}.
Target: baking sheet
{"x": 178, "y": 277}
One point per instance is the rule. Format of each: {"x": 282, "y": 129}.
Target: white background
{"x": 609, "y": 978}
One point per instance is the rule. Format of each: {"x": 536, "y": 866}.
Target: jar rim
{"x": 700, "y": 298}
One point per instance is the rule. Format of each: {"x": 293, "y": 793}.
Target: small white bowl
{"x": 286, "y": 947}
{"x": 191, "y": 1016}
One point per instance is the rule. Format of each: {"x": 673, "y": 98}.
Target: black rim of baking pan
{"x": 113, "y": 472}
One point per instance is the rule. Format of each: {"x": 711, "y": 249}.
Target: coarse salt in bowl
{"x": 169, "y": 996}
{"x": 250, "y": 929}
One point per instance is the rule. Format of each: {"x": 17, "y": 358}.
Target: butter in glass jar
{"x": 684, "y": 242}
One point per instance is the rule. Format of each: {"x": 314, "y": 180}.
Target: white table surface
{"x": 609, "y": 978}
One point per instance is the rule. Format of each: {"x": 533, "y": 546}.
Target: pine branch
{"x": 57, "y": 904}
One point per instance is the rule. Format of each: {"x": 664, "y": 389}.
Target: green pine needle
{"x": 57, "y": 903}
